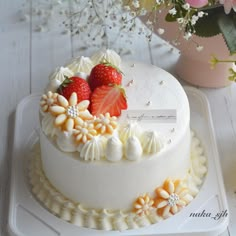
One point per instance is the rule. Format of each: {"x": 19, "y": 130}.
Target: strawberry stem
{"x": 107, "y": 63}
{"x": 64, "y": 84}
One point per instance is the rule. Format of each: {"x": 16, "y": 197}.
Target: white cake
{"x": 137, "y": 174}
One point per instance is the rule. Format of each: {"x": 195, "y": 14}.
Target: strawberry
{"x": 75, "y": 84}
{"x": 104, "y": 74}
{"x": 108, "y": 98}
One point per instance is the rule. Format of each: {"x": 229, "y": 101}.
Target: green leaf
{"x": 171, "y": 18}
{"x": 227, "y": 25}
{"x": 207, "y": 26}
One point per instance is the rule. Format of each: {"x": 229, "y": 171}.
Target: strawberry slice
{"x": 108, "y": 98}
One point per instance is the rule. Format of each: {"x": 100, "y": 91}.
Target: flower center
{"x": 173, "y": 199}
{"x": 72, "y": 111}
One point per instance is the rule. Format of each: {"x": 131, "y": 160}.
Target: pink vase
{"x": 194, "y": 66}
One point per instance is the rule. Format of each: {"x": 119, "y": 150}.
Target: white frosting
{"x": 133, "y": 149}
{"x": 48, "y": 126}
{"x": 92, "y": 150}
{"x": 65, "y": 141}
{"x": 105, "y": 218}
{"x": 151, "y": 142}
{"x": 57, "y": 77}
{"x": 114, "y": 149}
{"x": 107, "y": 55}
{"x": 132, "y": 173}
{"x": 81, "y": 64}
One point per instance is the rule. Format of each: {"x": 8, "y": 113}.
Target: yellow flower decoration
{"x": 48, "y": 100}
{"x": 143, "y": 205}
{"x": 68, "y": 113}
{"x": 84, "y": 131}
{"x": 105, "y": 124}
{"x": 171, "y": 198}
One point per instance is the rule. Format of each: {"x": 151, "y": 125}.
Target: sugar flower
{"x": 171, "y": 198}
{"x": 47, "y": 100}
{"x": 105, "y": 124}
{"x": 84, "y": 131}
{"x": 143, "y": 205}
{"x": 68, "y": 113}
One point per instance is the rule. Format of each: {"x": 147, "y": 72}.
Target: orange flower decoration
{"x": 105, "y": 124}
{"x": 143, "y": 205}
{"x": 47, "y": 100}
{"x": 171, "y": 198}
{"x": 69, "y": 113}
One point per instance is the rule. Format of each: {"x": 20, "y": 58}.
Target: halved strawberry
{"x": 77, "y": 85}
{"x": 104, "y": 74}
{"x": 110, "y": 99}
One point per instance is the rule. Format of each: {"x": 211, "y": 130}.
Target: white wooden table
{"x": 27, "y": 57}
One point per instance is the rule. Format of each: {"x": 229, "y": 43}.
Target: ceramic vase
{"x": 194, "y": 65}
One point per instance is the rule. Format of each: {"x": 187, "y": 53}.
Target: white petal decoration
{"x": 128, "y": 130}
{"x": 114, "y": 149}
{"x": 53, "y": 85}
{"x": 92, "y": 150}
{"x": 133, "y": 149}
{"x": 61, "y": 73}
{"x": 81, "y": 64}
{"x": 151, "y": 142}
{"x": 48, "y": 126}
{"x": 65, "y": 141}
{"x": 106, "y": 55}
{"x": 83, "y": 105}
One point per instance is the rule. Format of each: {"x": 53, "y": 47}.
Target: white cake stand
{"x": 207, "y": 214}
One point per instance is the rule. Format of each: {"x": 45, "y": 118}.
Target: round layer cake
{"x": 147, "y": 147}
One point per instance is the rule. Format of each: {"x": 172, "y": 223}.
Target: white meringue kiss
{"x": 106, "y": 55}
{"x": 81, "y": 64}
{"x": 133, "y": 149}
{"x": 114, "y": 149}
{"x": 151, "y": 142}
{"x": 65, "y": 141}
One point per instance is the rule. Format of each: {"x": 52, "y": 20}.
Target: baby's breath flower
{"x": 200, "y": 14}
{"x": 194, "y": 17}
{"x": 187, "y": 35}
{"x": 199, "y": 48}
{"x": 135, "y": 3}
{"x": 160, "y": 31}
{"x": 143, "y": 12}
{"x": 186, "y": 6}
{"x": 180, "y": 20}
{"x": 127, "y": 8}
{"x": 173, "y": 11}
{"x": 148, "y": 22}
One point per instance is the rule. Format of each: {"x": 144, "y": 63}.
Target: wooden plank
{"x": 50, "y": 47}
{"x": 15, "y": 84}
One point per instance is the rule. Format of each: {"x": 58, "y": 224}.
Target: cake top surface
{"x": 91, "y": 105}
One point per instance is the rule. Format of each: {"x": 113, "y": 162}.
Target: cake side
{"x": 102, "y": 184}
